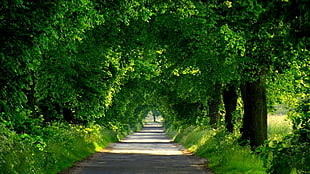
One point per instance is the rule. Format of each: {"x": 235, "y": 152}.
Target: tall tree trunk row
{"x": 230, "y": 97}
{"x": 255, "y": 112}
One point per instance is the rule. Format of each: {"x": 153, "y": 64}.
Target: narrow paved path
{"x": 145, "y": 152}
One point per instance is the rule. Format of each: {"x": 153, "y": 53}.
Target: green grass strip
{"x": 56, "y": 148}
{"x": 221, "y": 149}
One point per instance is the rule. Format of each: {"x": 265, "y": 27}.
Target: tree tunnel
{"x": 110, "y": 62}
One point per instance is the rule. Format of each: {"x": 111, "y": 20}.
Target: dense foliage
{"x": 56, "y": 149}
{"x": 197, "y": 62}
{"x": 224, "y": 154}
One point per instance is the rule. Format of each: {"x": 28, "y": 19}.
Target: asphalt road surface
{"x": 145, "y": 152}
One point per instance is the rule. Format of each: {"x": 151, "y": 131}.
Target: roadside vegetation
{"x": 223, "y": 150}
{"x": 52, "y": 148}
{"x": 278, "y": 126}
{"x": 217, "y": 67}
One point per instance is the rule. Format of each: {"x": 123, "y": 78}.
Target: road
{"x": 145, "y": 152}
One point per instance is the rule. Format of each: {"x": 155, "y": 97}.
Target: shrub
{"x": 221, "y": 148}
{"x": 57, "y": 147}
{"x": 290, "y": 155}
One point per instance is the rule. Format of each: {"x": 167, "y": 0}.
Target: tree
{"x": 230, "y": 97}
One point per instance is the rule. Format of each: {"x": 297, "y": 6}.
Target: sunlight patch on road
{"x": 145, "y": 141}
{"x": 148, "y": 151}
{"x": 149, "y": 134}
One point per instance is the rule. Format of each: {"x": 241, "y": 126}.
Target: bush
{"x": 290, "y": 155}
{"x": 57, "y": 147}
{"x": 221, "y": 148}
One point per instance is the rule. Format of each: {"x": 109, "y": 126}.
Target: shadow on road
{"x": 145, "y": 152}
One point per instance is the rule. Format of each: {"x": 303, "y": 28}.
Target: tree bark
{"x": 214, "y": 104}
{"x": 68, "y": 115}
{"x": 230, "y": 97}
{"x": 31, "y": 95}
{"x": 255, "y": 112}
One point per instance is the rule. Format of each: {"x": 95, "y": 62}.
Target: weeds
{"x": 278, "y": 126}
{"x": 222, "y": 149}
{"x": 57, "y": 147}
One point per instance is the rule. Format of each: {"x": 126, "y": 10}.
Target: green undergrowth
{"x": 224, "y": 154}
{"x": 53, "y": 148}
{"x": 279, "y": 126}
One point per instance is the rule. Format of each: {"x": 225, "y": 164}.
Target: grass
{"x": 56, "y": 149}
{"x": 278, "y": 126}
{"x": 220, "y": 148}
{"x": 60, "y": 146}
{"x": 224, "y": 154}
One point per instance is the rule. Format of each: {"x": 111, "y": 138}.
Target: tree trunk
{"x": 230, "y": 97}
{"x": 31, "y": 95}
{"x": 154, "y": 117}
{"x": 68, "y": 115}
{"x": 255, "y": 112}
{"x": 214, "y": 104}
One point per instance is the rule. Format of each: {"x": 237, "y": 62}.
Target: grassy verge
{"x": 224, "y": 154}
{"x": 56, "y": 148}
{"x": 220, "y": 148}
{"x": 278, "y": 126}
